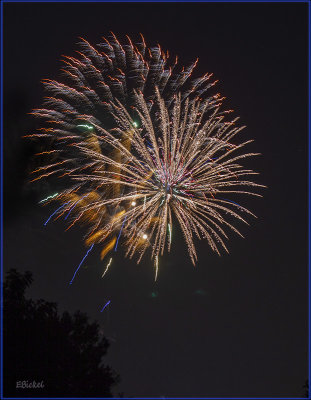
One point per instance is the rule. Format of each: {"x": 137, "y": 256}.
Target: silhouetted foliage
{"x": 64, "y": 352}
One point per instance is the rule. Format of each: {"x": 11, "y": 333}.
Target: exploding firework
{"x": 140, "y": 146}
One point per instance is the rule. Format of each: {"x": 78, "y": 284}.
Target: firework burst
{"x": 141, "y": 147}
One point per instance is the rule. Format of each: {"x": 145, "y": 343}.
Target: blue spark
{"x": 81, "y": 263}
{"x": 74, "y": 206}
{"x": 230, "y": 201}
{"x": 55, "y": 213}
{"x": 108, "y": 302}
{"x": 149, "y": 145}
{"x": 115, "y": 249}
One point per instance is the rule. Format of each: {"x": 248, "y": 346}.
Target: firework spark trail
{"x": 156, "y": 268}
{"x": 48, "y": 198}
{"x": 169, "y": 233}
{"x": 115, "y": 249}
{"x": 81, "y": 264}
{"x": 145, "y": 146}
{"x": 59, "y": 208}
{"x": 73, "y": 206}
{"x": 107, "y": 304}
{"x": 107, "y": 267}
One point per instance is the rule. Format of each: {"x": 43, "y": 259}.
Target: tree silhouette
{"x": 61, "y": 353}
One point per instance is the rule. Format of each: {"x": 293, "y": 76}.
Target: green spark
{"x": 48, "y": 198}
{"x": 85, "y": 126}
{"x": 135, "y": 124}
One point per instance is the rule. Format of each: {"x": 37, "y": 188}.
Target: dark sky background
{"x": 235, "y": 325}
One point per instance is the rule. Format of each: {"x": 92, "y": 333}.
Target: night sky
{"x": 234, "y": 325}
